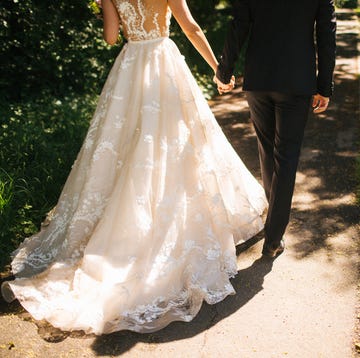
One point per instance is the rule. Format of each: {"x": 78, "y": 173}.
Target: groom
{"x": 280, "y": 79}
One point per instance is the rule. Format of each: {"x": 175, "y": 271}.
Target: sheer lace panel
{"x": 144, "y": 19}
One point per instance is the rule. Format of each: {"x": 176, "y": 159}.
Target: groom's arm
{"x": 326, "y": 46}
{"x": 236, "y": 37}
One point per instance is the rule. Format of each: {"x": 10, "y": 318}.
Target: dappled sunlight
{"x": 338, "y": 249}
{"x": 308, "y": 199}
{"x": 325, "y": 217}
{"x": 343, "y": 71}
{"x": 222, "y": 105}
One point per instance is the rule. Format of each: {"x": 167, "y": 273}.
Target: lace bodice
{"x": 144, "y": 19}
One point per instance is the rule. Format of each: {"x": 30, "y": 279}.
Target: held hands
{"x": 222, "y": 87}
{"x": 320, "y": 103}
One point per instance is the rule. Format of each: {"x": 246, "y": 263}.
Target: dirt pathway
{"x": 301, "y": 305}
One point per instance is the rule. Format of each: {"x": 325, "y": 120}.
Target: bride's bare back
{"x": 150, "y": 19}
{"x": 144, "y": 19}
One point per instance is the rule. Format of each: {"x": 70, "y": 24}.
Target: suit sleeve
{"x": 235, "y": 39}
{"x": 326, "y": 46}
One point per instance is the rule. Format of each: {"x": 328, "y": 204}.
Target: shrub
{"x": 350, "y": 4}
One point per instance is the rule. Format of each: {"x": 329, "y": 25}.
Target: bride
{"x": 146, "y": 225}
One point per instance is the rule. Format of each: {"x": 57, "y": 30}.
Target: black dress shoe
{"x": 270, "y": 251}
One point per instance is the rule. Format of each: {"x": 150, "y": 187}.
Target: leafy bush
{"x": 58, "y": 46}
{"x": 52, "y": 46}
{"x": 39, "y": 141}
{"x": 350, "y": 4}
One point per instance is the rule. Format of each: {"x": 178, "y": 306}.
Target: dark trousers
{"x": 279, "y": 120}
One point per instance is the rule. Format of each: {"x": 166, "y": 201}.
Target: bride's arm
{"x": 111, "y": 22}
{"x": 192, "y": 30}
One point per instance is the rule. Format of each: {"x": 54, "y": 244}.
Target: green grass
{"x": 39, "y": 141}
{"x": 6, "y": 191}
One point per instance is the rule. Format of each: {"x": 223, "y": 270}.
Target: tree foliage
{"x": 50, "y": 45}
{"x": 350, "y": 4}
{"x": 57, "y": 46}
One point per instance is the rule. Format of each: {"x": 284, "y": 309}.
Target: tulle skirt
{"x": 146, "y": 225}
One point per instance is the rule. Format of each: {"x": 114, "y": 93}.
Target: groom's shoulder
{"x": 278, "y": 8}
{"x": 265, "y": 4}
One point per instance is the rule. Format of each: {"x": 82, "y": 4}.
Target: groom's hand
{"x": 320, "y": 103}
{"x": 222, "y": 87}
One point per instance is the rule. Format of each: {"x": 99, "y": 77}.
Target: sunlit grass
{"x": 39, "y": 141}
{"x": 6, "y": 191}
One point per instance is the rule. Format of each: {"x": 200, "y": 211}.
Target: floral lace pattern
{"x": 145, "y": 226}
{"x": 144, "y": 20}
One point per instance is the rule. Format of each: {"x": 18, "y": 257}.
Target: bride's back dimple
{"x": 144, "y": 19}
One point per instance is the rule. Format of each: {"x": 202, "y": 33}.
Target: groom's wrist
{"x": 223, "y": 74}
{"x": 326, "y": 90}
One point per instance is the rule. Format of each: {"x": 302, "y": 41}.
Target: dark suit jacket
{"x": 281, "y": 53}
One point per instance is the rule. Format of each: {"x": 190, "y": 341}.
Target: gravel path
{"x": 301, "y": 305}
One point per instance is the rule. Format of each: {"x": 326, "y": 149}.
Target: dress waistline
{"x": 158, "y": 39}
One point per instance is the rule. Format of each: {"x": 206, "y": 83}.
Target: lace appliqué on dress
{"x": 142, "y": 21}
{"x": 144, "y": 229}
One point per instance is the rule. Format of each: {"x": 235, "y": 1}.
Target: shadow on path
{"x": 325, "y": 205}
{"x": 252, "y": 278}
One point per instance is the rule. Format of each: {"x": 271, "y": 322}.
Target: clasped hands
{"x": 222, "y": 87}
{"x": 319, "y": 102}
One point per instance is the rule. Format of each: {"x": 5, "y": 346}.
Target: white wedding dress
{"x": 146, "y": 225}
